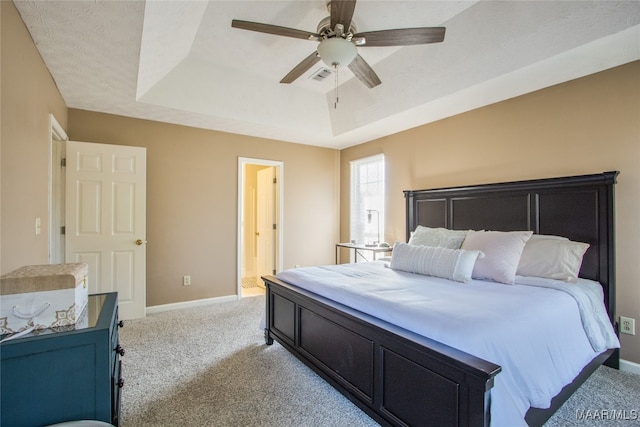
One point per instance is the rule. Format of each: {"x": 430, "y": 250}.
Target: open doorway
{"x": 259, "y": 223}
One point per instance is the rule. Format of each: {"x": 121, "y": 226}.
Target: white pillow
{"x": 552, "y": 257}
{"x": 452, "y": 264}
{"x": 502, "y": 251}
{"x": 440, "y": 237}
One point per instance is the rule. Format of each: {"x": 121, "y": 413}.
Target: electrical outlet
{"x": 627, "y": 325}
{"x": 186, "y": 280}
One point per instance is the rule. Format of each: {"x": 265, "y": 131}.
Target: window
{"x": 367, "y": 200}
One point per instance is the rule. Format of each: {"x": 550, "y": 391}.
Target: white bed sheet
{"x": 534, "y": 331}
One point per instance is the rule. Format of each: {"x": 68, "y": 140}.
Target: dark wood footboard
{"x": 397, "y": 377}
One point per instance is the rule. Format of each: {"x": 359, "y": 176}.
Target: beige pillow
{"x": 502, "y": 251}
{"x": 440, "y": 237}
{"x": 552, "y": 257}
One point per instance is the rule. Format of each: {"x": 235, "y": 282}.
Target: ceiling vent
{"x": 321, "y": 74}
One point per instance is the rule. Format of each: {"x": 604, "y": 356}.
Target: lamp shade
{"x": 337, "y": 51}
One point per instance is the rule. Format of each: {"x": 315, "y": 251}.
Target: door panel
{"x": 88, "y": 208}
{"x": 265, "y": 220}
{"x": 106, "y": 220}
{"x": 123, "y": 274}
{"x": 123, "y": 208}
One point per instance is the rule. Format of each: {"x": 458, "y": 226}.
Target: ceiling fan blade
{"x": 274, "y": 29}
{"x": 342, "y": 13}
{"x": 400, "y": 37}
{"x": 364, "y": 72}
{"x": 301, "y": 68}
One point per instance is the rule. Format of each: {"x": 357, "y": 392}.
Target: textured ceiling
{"x": 182, "y": 62}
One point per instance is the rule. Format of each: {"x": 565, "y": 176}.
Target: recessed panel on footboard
{"x": 283, "y": 317}
{"x": 418, "y": 396}
{"x": 347, "y": 354}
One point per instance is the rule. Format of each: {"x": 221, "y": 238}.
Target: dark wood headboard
{"x": 577, "y": 207}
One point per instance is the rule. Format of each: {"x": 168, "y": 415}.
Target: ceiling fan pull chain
{"x": 335, "y": 104}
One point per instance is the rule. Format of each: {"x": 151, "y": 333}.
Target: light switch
{"x": 38, "y": 225}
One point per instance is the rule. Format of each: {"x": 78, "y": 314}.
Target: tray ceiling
{"x": 181, "y": 61}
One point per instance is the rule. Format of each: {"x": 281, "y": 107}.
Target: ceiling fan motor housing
{"x": 325, "y": 30}
{"x": 337, "y": 51}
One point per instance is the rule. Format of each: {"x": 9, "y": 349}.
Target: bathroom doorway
{"x": 260, "y": 219}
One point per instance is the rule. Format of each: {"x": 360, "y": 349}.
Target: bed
{"x": 400, "y": 377}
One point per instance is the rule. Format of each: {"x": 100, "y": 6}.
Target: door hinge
{"x": 274, "y": 226}
{"x": 63, "y": 230}
{"x": 275, "y": 180}
{"x": 274, "y": 271}
{"x": 63, "y": 162}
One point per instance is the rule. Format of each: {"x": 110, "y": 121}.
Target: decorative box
{"x": 42, "y": 296}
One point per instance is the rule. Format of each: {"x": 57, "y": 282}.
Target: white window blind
{"x": 367, "y": 200}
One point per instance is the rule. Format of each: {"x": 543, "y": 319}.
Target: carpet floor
{"x": 209, "y": 366}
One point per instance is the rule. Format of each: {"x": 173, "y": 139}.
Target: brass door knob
{"x": 140, "y": 242}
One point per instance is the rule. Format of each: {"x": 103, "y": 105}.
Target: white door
{"x": 265, "y": 230}
{"x": 106, "y": 220}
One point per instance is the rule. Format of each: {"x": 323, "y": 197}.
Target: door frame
{"x": 279, "y": 167}
{"x": 56, "y": 191}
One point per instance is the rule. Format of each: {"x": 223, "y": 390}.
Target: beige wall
{"x": 192, "y": 201}
{"x": 588, "y": 125}
{"x": 29, "y": 95}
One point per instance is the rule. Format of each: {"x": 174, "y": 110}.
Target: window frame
{"x": 360, "y": 229}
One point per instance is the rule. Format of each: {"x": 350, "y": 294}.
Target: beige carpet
{"x": 209, "y": 366}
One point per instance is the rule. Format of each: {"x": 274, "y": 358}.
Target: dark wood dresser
{"x": 67, "y": 374}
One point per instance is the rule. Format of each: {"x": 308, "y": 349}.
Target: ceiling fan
{"x": 339, "y": 41}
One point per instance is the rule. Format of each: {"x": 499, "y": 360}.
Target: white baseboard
{"x": 188, "y": 304}
{"x": 628, "y": 366}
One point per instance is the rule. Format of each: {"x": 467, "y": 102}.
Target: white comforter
{"x": 542, "y": 332}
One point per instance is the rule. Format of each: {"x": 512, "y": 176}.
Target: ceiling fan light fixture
{"x": 337, "y": 52}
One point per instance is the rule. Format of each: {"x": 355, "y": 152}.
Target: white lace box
{"x": 42, "y": 296}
